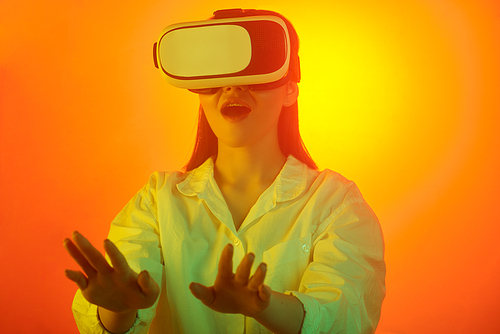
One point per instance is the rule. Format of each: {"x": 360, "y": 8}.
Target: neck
{"x": 249, "y": 166}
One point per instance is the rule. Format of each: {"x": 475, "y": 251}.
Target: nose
{"x": 230, "y": 89}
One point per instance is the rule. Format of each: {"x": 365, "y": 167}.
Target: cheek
{"x": 272, "y": 102}
{"x": 209, "y": 105}
{"x": 205, "y": 102}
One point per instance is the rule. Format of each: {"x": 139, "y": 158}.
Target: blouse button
{"x": 236, "y": 242}
{"x": 305, "y": 248}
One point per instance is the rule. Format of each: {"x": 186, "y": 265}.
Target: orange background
{"x": 399, "y": 96}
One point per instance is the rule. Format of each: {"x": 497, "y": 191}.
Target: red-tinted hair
{"x": 289, "y": 137}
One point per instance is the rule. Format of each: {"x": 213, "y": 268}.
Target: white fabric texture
{"x": 321, "y": 241}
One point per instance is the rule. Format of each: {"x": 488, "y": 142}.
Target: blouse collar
{"x": 289, "y": 184}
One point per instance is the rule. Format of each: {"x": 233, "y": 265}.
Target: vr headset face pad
{"x": 224, "y": 52}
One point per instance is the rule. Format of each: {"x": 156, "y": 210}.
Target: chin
{"x": 240, "y": 142}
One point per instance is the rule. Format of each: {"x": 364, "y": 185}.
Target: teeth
{"x": 235, "y": 109}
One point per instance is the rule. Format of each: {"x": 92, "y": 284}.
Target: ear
{"x": 291, "y": 94}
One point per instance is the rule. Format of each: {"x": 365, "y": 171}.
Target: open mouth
{"x": 235, "y": 112}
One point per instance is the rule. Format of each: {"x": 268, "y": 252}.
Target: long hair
{"x": 290, "y": 141}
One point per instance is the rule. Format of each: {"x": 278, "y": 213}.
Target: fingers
{"x": 79, "y": 258}
{"x": 203, "y": 293}
{"x": 226, "y": 263}
{"x": 93, "y": 256}
{"x": 258, "y": 279}
{"x": 117, "y": 259}
{"x": 78, "y": 278}
{"x": 243, "y": 271}
{"x": 147, "y": 284}
{"x": 265, "y": 292}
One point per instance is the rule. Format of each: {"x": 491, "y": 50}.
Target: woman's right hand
{"x": 116, "y": 288}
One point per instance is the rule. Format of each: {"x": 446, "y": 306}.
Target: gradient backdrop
{"x": 400, "y": 96}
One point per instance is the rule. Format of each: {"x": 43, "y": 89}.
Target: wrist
{"x": 264, "y": 314}
{"x": 285, "y": 314}
{"x": 116, "y": 322}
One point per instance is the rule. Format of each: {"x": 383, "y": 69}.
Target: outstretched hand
{"x": 116, "y": 288}
{"x": 236, "y": 293}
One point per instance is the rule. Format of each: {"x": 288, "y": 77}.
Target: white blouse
{"x": 320, "y": 240}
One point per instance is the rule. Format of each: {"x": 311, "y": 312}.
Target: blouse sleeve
{"x": 135, "y": 232}
{"x": 343, "y": 287}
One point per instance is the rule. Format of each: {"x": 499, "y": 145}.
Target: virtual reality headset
{"x": 203, "y": 56}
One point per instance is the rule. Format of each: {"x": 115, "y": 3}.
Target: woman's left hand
{"x": 236, "y": 293}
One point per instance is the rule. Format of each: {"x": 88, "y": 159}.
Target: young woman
{"x": 251, "y": 238}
